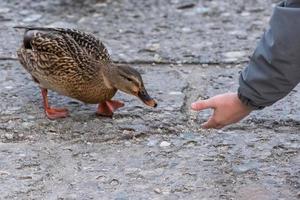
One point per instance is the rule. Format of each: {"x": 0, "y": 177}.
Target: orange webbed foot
{"x": 55, "y": 113}
{"x": 52, "y": 113}
{"x": 107, "y": 108}
{"x": 114, "y": 105}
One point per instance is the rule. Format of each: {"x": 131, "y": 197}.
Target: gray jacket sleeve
{"x": 274, "y": 68}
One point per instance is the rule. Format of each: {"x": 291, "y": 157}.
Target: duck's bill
{"x": 144, "y": 96}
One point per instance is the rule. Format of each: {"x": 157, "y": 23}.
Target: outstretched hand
{"x": 228, "y": 109}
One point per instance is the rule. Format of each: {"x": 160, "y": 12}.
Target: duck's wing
{"x": 88, "y": 42}
{"x": 54, "y": 56}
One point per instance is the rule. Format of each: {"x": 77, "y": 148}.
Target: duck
{"x": 76, "y": 64}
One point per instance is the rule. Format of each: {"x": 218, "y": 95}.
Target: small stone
{"x": 187, "y": 135}
{"x": 157, "y": 58}
{"x": 157, "y": 191}
{"x": 24, "y": 12}
{"x": 175, "y": 93}
{"x": 190, "y": 143}
{"x": 101, "y": 4}
{"x": 127, "y": 132}
{"x": 168, "y": 108}
{"x": 3, "y": 173}
{"x": 233, "y": 56}
{"x": 9, "y": 136}
{"x": 9, "y": 87}
{"x": 101, "y": 178}
{"x": 153, "y": 47}
{"x": 4, "y": 10}
{"x": 114, "y": 182}
{"x": 129, "y": 171}
{"x": 26, "y": 124}
{"x": 186, "y": 30}
{"x": 32, "y": 18}
{"x": 127, "y": 143}
{"x": 152, "y": 143}
{"x": 245, "y": 14}
{"x": 202, "y": 10}
{"x": 30, "y": 117}
{"x": 14, "y": 108}
{"x": 164, "y": 144}
{"x": 239, "y": 34}
{"x": 243, "y": 168}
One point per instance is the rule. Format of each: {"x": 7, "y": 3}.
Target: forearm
{"x": 274, "y": 69}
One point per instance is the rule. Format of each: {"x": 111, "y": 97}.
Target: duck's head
{"x": 128, "y": 80}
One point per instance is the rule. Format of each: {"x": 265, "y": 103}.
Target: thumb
{"x": 203, "y": 104}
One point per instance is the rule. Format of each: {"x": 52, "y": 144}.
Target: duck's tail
{"x": 35, "y": 28}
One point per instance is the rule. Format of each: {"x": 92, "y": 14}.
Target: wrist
{"x": 248, "y": 102}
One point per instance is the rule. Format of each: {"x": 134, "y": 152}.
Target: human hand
{"x": 228, "y": 109}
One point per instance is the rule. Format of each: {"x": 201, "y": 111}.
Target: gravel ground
{"x": 185, "y": 50}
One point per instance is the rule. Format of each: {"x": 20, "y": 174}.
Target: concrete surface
{"x": 198, "y": 49}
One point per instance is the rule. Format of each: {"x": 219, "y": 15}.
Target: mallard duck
{"x": 77, "y": 65}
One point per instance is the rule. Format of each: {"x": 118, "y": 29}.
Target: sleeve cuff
{"x": 248, "y": 102}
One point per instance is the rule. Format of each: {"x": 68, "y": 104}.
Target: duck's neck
{"x": 109, "y": 73}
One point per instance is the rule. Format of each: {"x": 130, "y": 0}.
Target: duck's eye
{"x": 128, "y": 79}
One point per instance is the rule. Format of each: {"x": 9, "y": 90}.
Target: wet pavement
{"x": 185, "y": 50}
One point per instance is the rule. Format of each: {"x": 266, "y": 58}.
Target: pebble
{"x": 187, "y": 135}
{"x": 9, "y": 136}
{"x": 26, "y": 124}
{"x": 127, "y": 143}
{"x": 157, "y": 58}
{"x": 186, "y": 30}
{"x": 153, "y": 47}
{"x": 132, "y": 170}
{"x": 242, "y": 168}
{"x": 157, "y": 191}
{"x": 14, "y": 108}
{"x": 233, "y": 55}
{"x": 24, "y": 12}
{"x": 3, "y": 173}
{"x": 169, "y": 108}
{"x": 9, "y": 87}
{"x": 245, "y": 14}
{"x": 99, "y": 5}
{"x": 4, "y": 10}
{"x": 152, "y": 143}
{"x": 114, "y": 182}
{"x": 164, "y": 144}
{"x": 239, "y": 34}
{"x": 202, "y": 10}
{"x": 175, "y": 93}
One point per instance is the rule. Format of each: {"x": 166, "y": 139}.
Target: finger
{"x": 203, "y": 104}
{"x": 211, "y": 123}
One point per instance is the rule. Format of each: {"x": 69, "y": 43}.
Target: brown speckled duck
{"x": 77, "y": 65}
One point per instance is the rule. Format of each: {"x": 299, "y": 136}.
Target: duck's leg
{"x": 52, "y": 113}
{"x": 107, "y": 108}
